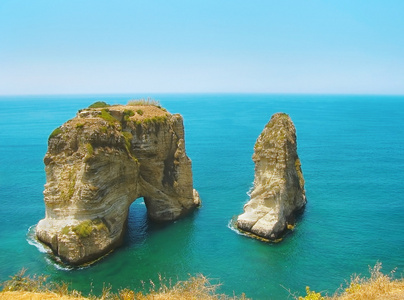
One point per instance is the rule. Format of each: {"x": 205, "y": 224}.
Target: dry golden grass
{"x": 26, "y": 287}
{"x": 35, "y": 296}
{"x": 144, "y": 102}
{"x": 379, "y": 286}
{"x": 194, "y": 288}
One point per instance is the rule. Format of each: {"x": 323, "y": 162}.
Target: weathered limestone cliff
{"x": 278, "y": 193}
{"x": 101, "y": 161}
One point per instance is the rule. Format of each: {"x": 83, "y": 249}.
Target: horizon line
{"x": 142, "y": 94}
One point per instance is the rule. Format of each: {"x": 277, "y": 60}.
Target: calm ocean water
{"x": 352, "y": 154}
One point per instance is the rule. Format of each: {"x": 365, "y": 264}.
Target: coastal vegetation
{"x": 128, "y": 137}
{"x": 55, "y": 132}
{"x": 90, "y": 150}
{"x": 85, "y": 228}
{"x": 144, "y": 102}
{"x": 72, "y": 183}
{"x": 107, "y": 116}
{"x": 149, "y": 113}
{"x": 21, "y": 286}
{"x": 127, "y": 113}
{"x": 155, "y": 119}
{"x": 377, "y": 286}
{"x": 99, "y": 104}
{"x": 68, "y": 189}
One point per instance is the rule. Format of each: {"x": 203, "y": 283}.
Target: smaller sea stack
{"x": 278, "y": 194}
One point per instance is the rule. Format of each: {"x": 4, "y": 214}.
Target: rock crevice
{"x": 101, "y": 161}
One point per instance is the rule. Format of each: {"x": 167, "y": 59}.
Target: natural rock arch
{"x": 98, "y": 164}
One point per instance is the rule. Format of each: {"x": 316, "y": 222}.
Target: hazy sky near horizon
{"x": 158, "y": 46}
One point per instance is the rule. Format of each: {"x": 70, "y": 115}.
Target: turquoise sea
{"x": 352, "y": 154}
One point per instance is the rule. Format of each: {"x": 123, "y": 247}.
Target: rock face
{"x": 278, "y": 192}
{"x": 101, "y": 161}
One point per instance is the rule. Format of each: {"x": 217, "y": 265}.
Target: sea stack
{"x": 101, "y": 161}
{"x": 278, "y": 194}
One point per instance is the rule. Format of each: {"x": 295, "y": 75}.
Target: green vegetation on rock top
{"x": 55, "y": 132}
{"x": 155, "y": 119}
{"x": 99, "y": 104}
{"x": 107, "y": 116}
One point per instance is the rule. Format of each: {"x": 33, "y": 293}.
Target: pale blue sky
{"x": 158, "y": 46}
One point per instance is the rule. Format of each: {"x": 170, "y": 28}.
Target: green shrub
{"x": 79, "y": 125}
{"x": 137, "y": 122}
{"x": 65, "y": 230}
{"x": 127, "y": 113}
{"x": 155, "y": 119}
{"x": 140, "y": 112}
{"x": 107, "y": 116}
{"x": 90, "y": 149}
{"x": 99, "y": 225}
{"x": 269, "y": 125}
{"x": 90, "y": 152}
{"x": 84, "y": 229}
{"x": 147, "y": 121}
{"x": 311, "y": 295}
{"x": 21, "y": 282}
{"x": 128, "y": 137}
{"x": 99, "y": 104}
{"x": 55, "y": 132}
{"x": 72, "y": 183}
{"x": 159, "y": 119}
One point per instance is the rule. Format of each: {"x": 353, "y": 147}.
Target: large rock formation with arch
{"x": 101, "y": 161}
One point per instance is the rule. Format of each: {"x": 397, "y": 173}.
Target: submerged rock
{"x": 278, "y": 193}
{"x": 101, "y": 161}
